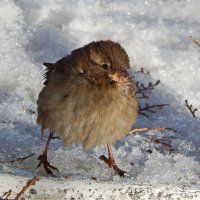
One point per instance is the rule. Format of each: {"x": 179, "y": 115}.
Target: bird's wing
{"x": 54, "y": 72}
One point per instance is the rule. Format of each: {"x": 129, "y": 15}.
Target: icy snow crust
{"x": 154, "y": 34}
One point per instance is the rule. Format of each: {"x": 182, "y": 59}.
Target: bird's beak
{"x": 120, "y": 76}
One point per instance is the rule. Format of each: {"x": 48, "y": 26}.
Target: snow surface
{"x": 48, "y": 188}
{"x": 155, "y": 35}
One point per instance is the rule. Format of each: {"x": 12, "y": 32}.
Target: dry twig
{"x": 195, "y": 41}
{"x": 29, "y": 183}
{"x": 142, "y": 89}
{"x": 6, "y": 194}
{"x": 23, "y": 158}
{"x": 154, "y": 129}
{"x": 190, "y": 108}
{"x": 160, "y": 141}
{"x": 149, "y": 108}
{"x": 144, "y": 71}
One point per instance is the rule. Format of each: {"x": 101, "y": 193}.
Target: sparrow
{"x": 89, "y": 98}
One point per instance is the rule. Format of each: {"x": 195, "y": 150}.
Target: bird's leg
{"x": 43, "y": 158}
{"x": 110, "y": 161}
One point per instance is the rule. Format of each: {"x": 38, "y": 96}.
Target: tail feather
{"x": 49, "y": 69}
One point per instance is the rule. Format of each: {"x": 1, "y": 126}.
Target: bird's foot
{"x": 111, "y": 164}
{"x": 47, "y": 166}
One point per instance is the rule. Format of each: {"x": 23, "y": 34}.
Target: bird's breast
{"x": 90, "y": 115}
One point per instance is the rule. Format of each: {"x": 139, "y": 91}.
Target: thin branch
{"x": 155, "y": 140}
{"x": 154, "y": 129}
{"x": 55, "y": 137}
{"x": 23, "y": 158}
{"x": 190, "y": 108}
{"x": 149, "y": 108}
{"x": 142, "y": 89}
{"x": 144, "y": 71}
{"x": 195, "y": 41}
{"x": 29, "y": 111}
{"x": 29, "y": 184}
{"x": 5, "y": 122}
{"x": 6, "y": 194}
{"x": 159, "y": 141}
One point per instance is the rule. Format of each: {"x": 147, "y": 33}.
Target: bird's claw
{"x": 119, "y": 171}
{"x": 111, "y": 164}
{"x": 47, "y": 166}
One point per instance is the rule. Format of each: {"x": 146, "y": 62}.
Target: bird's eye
{"x": 105, "y": 65}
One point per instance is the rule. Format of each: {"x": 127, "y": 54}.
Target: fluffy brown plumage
{"x": 82, "y": 102}
{"x": 88, "y": 96}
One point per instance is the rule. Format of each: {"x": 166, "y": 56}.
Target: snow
{"x": 155, "y": 35}
{"x": 48, "y": 188}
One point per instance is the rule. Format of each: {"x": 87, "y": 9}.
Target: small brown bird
{"x": 88, "y": 98}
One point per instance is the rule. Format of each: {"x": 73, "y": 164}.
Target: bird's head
{"x": 103, "y": 63}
